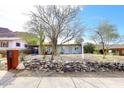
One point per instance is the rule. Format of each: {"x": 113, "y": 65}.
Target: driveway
{"x": 28, "y": 79}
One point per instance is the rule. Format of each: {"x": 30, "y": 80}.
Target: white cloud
{"x": 12, "y": 12}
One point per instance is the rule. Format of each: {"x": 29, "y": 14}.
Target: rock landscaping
{"x": 70, "y": 66}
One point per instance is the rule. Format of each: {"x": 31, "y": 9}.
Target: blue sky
{"x": 92, "y": 15}
{"x": 13, "y": 16}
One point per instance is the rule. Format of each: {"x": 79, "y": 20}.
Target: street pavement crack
{"x": 73, "y": 82}
{"x": 39, "y": 82}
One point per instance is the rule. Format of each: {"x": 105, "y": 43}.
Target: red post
{"x": 12, "y": 59}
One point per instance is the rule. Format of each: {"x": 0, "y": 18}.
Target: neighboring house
{"x": 9, "y": 40}
{"x": 117, "y": 49}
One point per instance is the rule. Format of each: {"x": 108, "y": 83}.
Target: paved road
{"x": 9, "y": 80}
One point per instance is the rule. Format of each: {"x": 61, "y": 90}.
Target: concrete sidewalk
{"x": 8, "y": 79}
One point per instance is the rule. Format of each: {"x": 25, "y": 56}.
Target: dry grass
{"x": 78, "y": 57}
{"x": 91, "y": 57}
{"x": 108, "y": 58}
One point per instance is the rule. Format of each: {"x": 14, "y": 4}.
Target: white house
{"x": 9, "y": 40}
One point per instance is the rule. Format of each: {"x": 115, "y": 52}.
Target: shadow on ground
{"x": 26, "y": 73}
{"x": 6, "y": 78}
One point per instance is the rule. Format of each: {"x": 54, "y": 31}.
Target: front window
{"x": 4, "y": 44}
{"x": 18, "y": 44}
{"x": 76, "y": 48}
{"x": 26, "y": 45}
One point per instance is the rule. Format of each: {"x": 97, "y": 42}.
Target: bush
{"x": 2, "y": 53}
{"x": 96, "y": 51}
{"x": 89, "y": 48}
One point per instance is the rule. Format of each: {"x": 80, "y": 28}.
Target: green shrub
{"x": 89, "y": 48}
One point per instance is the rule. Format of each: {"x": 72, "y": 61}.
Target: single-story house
{"x": 9, "y": 40}
{"x": 64, "y": 49}
{"x": 117, "y": 49}
{"x": 61, "y": 49}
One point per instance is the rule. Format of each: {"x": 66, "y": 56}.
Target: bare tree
{"x": 58, "y": 22}
{"x": 35, "y": 27}
{"x": 105, "y": 34}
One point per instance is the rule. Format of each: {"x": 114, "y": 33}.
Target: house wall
{"x": 119, "y": 51}
{"x": 66, "y": 49}
{"x": 12, "y": 44}
{"x": 70, "y": 49}
{"x": 123, "y": 51}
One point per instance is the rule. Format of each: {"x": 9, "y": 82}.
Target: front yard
{"x": 71, "y": 58}
{"x": 79, "y": 57}
{"x": 92, "y": 57}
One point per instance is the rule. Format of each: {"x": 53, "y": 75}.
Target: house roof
{"x": 117, "y": 46}
{"x": 114, "y": 46}
{"x": 57, "y": 45}
{"x": 5, "y": 32}
{"x": 9, "y": 38}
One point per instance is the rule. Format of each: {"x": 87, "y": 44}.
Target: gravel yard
{"x": 74, "y": 63}
{"x": 70, "y": 58}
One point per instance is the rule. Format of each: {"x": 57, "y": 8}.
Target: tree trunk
{"x": 54, "y": 49}
{"x": 40, "y": 48}
{"x": 41, "y": 45}
{"x": 103, "y": 46}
